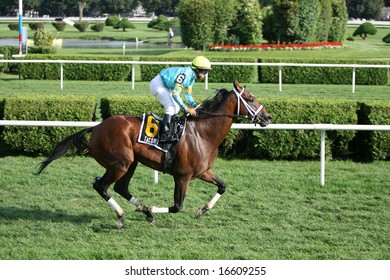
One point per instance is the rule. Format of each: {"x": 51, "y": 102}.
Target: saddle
{"x": 149, "y": 135}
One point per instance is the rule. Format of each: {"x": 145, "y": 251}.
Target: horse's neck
{"x": 219, "y": 126}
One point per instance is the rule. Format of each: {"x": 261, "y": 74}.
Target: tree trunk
{"x": 82, "y": 5}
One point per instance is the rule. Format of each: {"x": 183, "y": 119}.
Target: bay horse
{"x": 113, "y": 144}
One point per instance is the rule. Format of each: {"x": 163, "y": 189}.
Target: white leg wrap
{"x": 115, "y": 206}
{"x": 135, "y": 201}
{"x": 156, "y": 210}
{"x": 213, "y": 201}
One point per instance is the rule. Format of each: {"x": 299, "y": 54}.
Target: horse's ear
{"x": 237, "y": 85}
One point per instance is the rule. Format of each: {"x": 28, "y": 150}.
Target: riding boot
{"x": 165, "y": 129}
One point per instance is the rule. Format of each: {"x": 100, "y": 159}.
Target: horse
{"x": 113, "y": 144}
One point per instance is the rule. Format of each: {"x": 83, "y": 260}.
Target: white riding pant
{"x": 164, "y": 95}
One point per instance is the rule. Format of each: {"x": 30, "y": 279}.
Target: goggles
{"x": 203, "y": 71}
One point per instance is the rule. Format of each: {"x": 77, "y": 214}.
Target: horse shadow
{"x": 17, "y": 213}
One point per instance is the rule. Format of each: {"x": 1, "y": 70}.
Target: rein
{"x": 251, "y": 111}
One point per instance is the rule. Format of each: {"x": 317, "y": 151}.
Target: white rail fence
{"x": 322, "y": 127}
{"x": 133, "y": 63}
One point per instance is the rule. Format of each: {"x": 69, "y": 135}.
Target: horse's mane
{"x": 210, "y": 105}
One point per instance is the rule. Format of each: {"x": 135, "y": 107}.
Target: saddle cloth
{"x": 149, "y": 133}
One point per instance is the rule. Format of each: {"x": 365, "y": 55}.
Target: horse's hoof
{"x": 198, "y": 214}
{"x": 141, "y": 208}
{"x": 150, "y": 220}
{"x": 120, "y": 222}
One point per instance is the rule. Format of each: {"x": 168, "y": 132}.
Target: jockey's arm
{"x": 176, "y": 96}
{"x": 188, "y": 96}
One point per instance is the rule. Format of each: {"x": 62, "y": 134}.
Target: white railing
{"x": 322, "y": 127}
{"x": 133, "y": 63}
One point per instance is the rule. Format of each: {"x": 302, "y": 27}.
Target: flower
{"x": 267, "y": 47}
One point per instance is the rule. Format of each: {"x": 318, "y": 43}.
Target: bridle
{"x": 252, "y": 112}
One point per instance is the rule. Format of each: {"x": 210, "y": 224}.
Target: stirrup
{"x": 166, "y": 138}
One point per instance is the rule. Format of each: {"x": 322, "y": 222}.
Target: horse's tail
{"x": 77, "y": 143}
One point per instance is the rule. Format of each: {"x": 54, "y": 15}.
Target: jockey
{"x": 168, "y": 85}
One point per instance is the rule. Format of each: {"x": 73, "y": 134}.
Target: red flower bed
{"x": 267, "y": 47}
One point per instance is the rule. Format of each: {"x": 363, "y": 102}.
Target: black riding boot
{"x": 165, "y": 129}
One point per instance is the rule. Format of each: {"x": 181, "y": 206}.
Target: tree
{"x": 248, "y": 23}
{"x": 324, "y": 21}
{"x": 159, "y": 7}
{"x": 309, "y": 14}
{"x": 225, "y": 12}
{"x": 82, "y": 5}
{"x": 368, "y": 9}
{"x": 364, "y": 29}
{"x": 196, "y": 18}
{"x": 338, "y": 26}
{"x": 305, "y": 21}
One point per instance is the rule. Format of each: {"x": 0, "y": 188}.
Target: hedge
{"x": 259, "y": 144}
{"x": 322, "y": 75}
{"x": 304, "y": 144}
{"x": 372, "y": 145}
{"x": 40, "y": 140}
{"x": 76, "y": 71}
{"x": 8, "y": 51}
{"x": 131, "y": 105}
{"x": 218, "y": 74}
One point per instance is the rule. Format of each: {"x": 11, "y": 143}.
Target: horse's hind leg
{"x": 122, "y": 188}
{"x": 101, "y": 185}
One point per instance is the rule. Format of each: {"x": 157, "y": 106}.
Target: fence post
{"x": 353, "y": 79}
{"x": 280, "y": 78}
{"x": 132, "y": 76}
{"x": 322, "y": 161}
{"x": 61, "y": 75}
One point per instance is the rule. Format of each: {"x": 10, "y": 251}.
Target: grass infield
{"x": 271, "y": 210}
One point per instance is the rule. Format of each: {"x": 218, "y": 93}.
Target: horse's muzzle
{"x": 263, "y": 119}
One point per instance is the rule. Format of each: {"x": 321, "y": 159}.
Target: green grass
{"x": 271, "y": 210}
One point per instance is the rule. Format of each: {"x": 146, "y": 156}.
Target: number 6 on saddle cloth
{"x": 149, "y": 134}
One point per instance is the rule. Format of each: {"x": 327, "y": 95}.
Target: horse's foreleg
{"x": 210, "y": 177}
{"x": 181, "y": 186}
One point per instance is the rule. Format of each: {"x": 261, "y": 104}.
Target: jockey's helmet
{"x": 202, "y": 63}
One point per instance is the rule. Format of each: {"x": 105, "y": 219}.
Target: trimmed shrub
{"x": 81, "y": 26}
{"x": 124, "y": 24}
{"x": 365, "y": 29}
{"x": 13, "y": 26}
{"x": 112, "y": 20}
{"x": 43, "y": 38}
{"x": 386, "y": 39}
{"x": 36, "y": 25}
{"x": 40, "y": 140}
{"x": 159, "y": 23}
{"x": 59, "y": 25}
{"x": 98, "y": 27}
